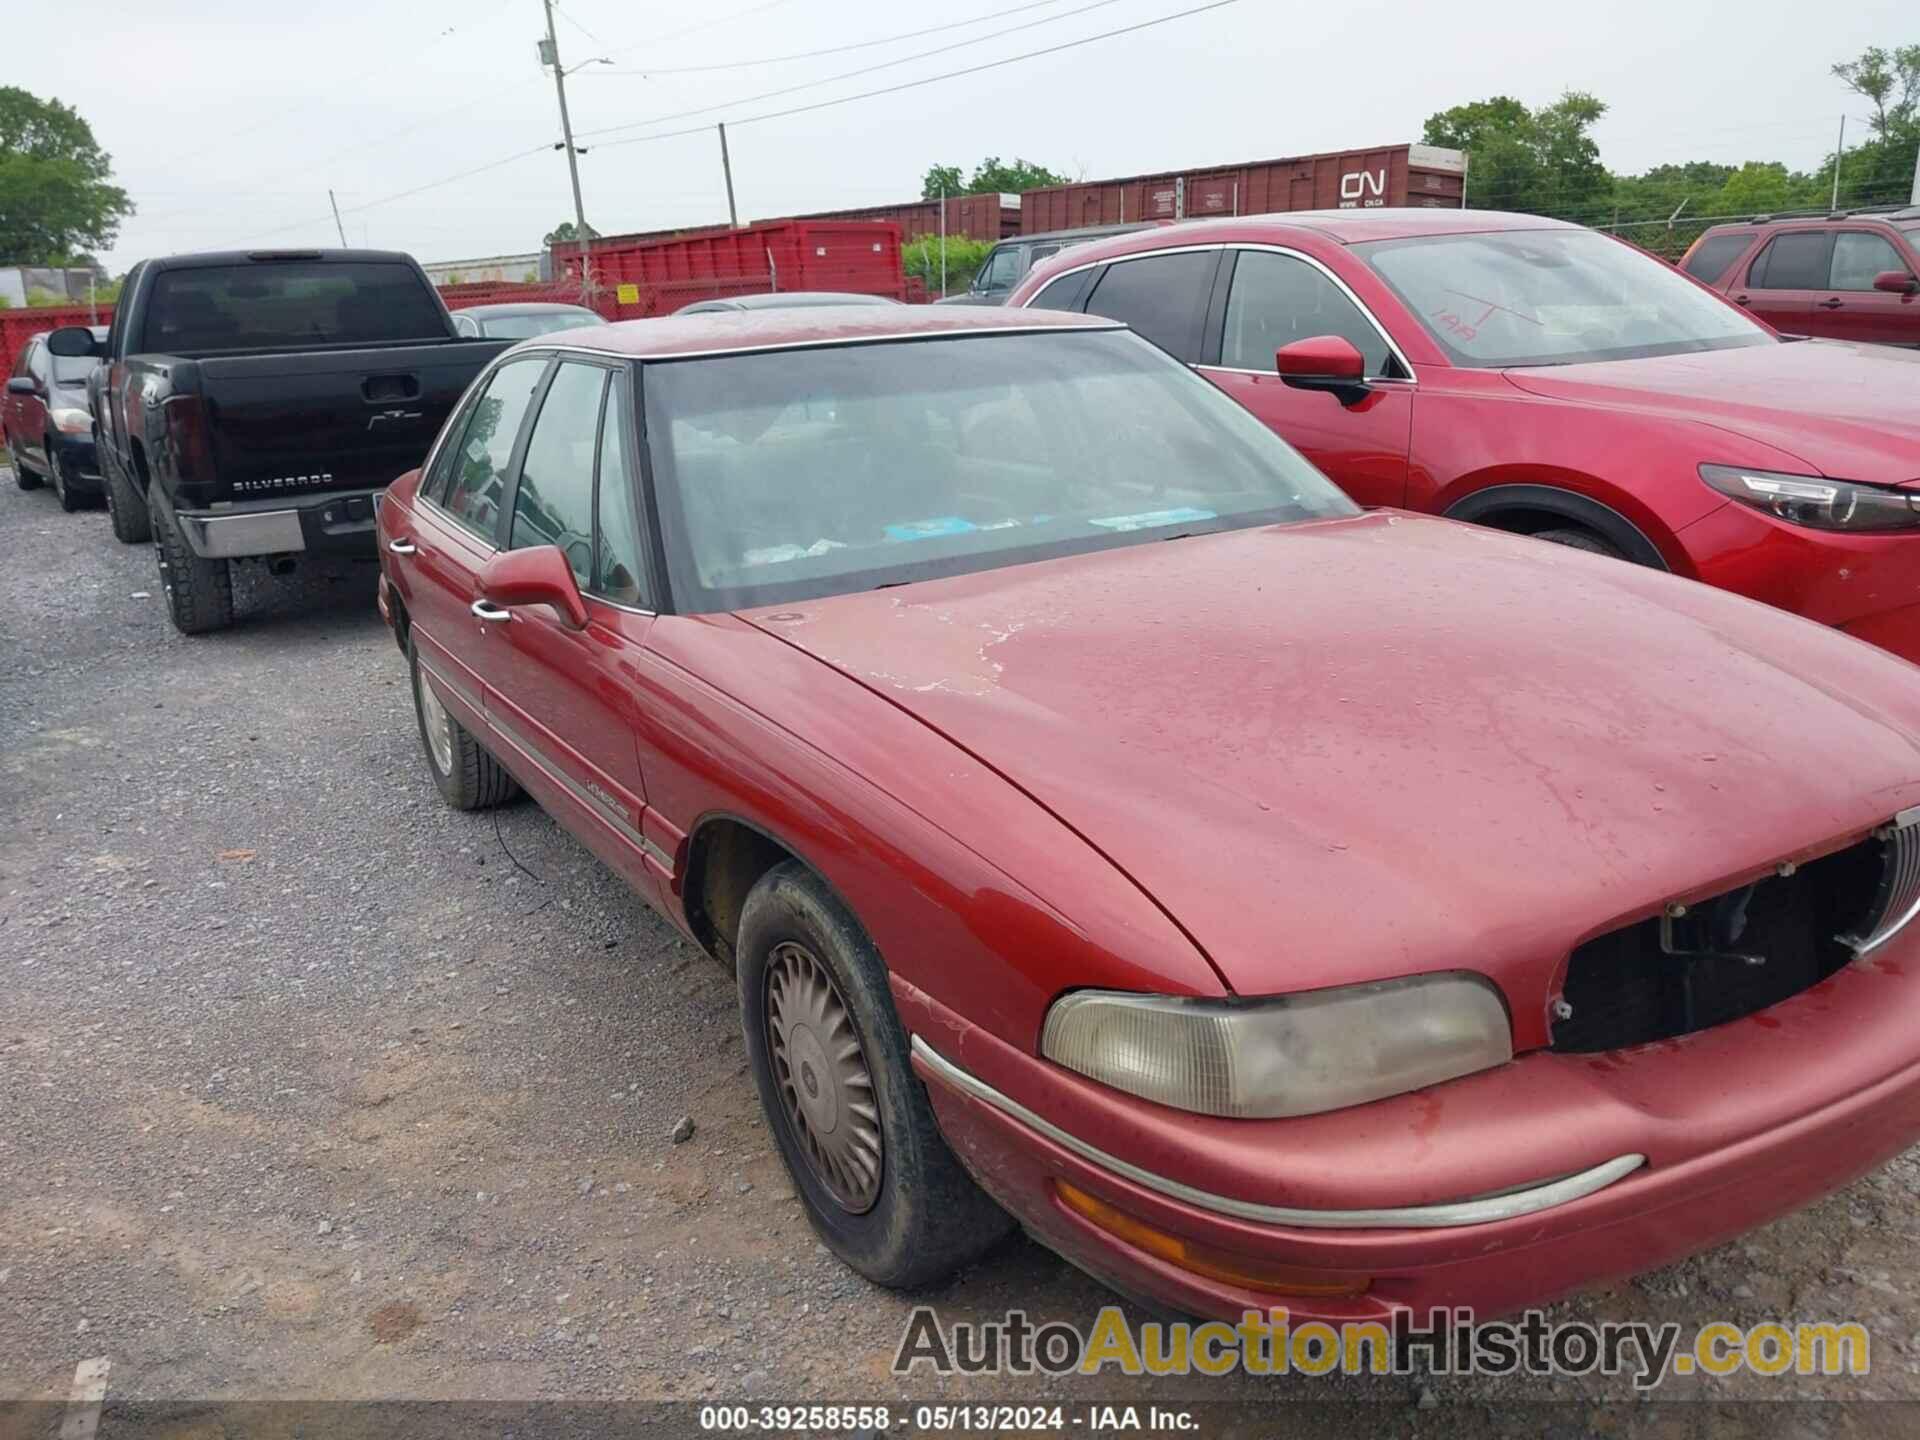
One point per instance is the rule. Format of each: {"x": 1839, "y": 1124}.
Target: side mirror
{"x": 538, "y": 575}
{"x": 1324, "y": 362}
{"x": 1897, "y": 282}
{"x": 21, "y": 385}
{"x": 74, "y": 342}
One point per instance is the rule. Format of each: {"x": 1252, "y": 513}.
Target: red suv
{"x": 1843, "y": 277}
{"x": 1539, "y": 377}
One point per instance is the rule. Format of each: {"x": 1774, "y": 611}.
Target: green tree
{"x": 565, "y": 233}
{"x": 1542, "y": 161}
{"x": 991, "y": 174}
{"x": 56, "y": 195}
{"x": 1880, "y": 171}
{"x": 942, "y": 180}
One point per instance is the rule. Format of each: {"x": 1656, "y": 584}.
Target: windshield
{"x": 1912, "y": 232}
{"x": 788, "y": 475}
{"x": 544, "y": 322}
{"x": 1553, "y": 297}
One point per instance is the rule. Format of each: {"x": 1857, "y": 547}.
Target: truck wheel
{"x": 22, "y": 477}
{"x": 126, "y": 506}
{"x": 199, "y": 592}
{"x": 852, "y": 1121}
{"x": 63, "y": 487}
{"x": 467, "y": 777}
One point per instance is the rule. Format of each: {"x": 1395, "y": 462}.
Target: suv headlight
{"x": 1816, "y": 503}
{"x": 1291, "y": 1055}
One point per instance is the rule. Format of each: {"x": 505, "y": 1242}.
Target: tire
{"x": 63, "y": 487}
{"x": 1576, "y": 539}
{"x": 908, "y": 1215}
{"x": 126, "y": 506}
{"x": 22, "y": 477}
{"x": 199, "y": 592}
{"x": 467, "y": 777}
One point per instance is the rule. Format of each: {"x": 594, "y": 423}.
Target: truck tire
{"x": 126, "y": 506}
{"x": 199, "y": 592}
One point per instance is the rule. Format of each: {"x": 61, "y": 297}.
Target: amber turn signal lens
{"x": 1245, "y": 1271}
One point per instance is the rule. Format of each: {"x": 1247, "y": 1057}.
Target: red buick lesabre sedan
{"x": 1537, "y": 377}
{"x": 1114, "y": 828}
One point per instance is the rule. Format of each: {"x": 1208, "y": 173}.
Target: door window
{"x": 1062, "y": 294}
{"x": 1858, "y": 256}
{"x": 486, "y": 445}
{"x": 1003, "y": 268}
{"x": 618, "y": 563}
{"x": 1793, "y": 262}
{"x": 1276, "y": 300}
{"x": 1710, "y": 259}
{"x": 1162, "y": 297}
{"x": 553, "y": 504}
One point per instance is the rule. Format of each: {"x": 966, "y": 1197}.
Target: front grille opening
{"x": 1624, "y": 988}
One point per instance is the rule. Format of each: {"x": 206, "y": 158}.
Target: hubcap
{"x": 822, "y": 1075}
{"x": 439, "y": 726}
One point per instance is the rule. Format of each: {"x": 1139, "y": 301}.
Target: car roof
{"x": 782, "y": 299}
{"x": 730, "y": 331}
{"x": 521, "y": 307}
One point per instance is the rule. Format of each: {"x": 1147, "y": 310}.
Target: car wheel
{"x": 1577, "y": 539}
{"x": 22, "y": 477}
{"x": 126, "y": 506}
{"x": 199, "y": 592}
{"x": 63, "y": 487}
{"x": 467, "y": 777}
{"x": 852, "y": 1122}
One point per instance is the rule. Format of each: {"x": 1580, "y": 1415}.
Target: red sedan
{"x": 1114, "y": 829}
{"x": 1537, "y": 377}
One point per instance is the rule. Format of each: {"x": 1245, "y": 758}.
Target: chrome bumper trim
{"x": 1481, "y": 1211}
{"x": 224, "y": 537}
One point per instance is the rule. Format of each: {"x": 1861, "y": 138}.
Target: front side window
{"x": 553, "y": 504}
{"x": 1792, "y": 262}
{"x": 1858, "y": 256}
{"x": 1712, "y": 256}
{"x": 1162, "y": 297}
{"x": 1003, "y": 269}
{"x": 787, "y": 476}
{"x": 1553, "y": 297}
{"x": 1278, "y": 299}
{"x": 478, "y": 482}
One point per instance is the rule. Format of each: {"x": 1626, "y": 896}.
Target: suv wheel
{"x": 852, "y": 1122}
{"x": 22, "y": 477}
{"x": 467, "y": 777}
{"x": 199, "y": 592}
{"x": 1575, "y": 538}
{"x": 63, "y": 478}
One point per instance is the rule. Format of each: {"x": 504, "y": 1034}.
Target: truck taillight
{"x": 186, "y": 420}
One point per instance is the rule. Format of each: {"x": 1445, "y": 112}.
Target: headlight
{"x": 1816, "y": 503}
{"x": 1293, "y": 1055}
{"x": 70, "y": 421}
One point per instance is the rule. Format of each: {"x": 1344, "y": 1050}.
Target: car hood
{"x": 1356, "y": 749}
{"x": 1850, "y": 412}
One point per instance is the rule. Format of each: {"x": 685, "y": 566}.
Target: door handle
{"x": 403, "y": 547}
{"x": 1742, "y": 300}
{"x": 484, "y": 610}
{"x": 1833, "y": 304}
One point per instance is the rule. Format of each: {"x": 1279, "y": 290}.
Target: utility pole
{"x": 336, "y": 218}
{"x": 726, "y": 166}
{"x": 1838, "y": 150}
{"x": 1915, "y": 199}
{"x": 550, "y": 53}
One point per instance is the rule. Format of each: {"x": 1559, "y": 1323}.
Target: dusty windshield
{"x": 792, "y": 474}
{"x": 1553, "y": 297}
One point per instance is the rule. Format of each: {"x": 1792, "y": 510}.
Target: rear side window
{"x": 1712, "y": 256}
{"x": 1793, "y": 262}
{"x": 618, "y": 565}
{"x": 553, "y": 504}
{"x": 1277, "y": 300}
{"x": 1858, "y": 256}
{"x": 289, "y": 304}
{"x": 1162, "y": 297}
{"x": 486, "y": 445}
{"x": 1062, "y": 294}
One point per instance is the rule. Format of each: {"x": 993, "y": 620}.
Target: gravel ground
{"x": 317, "y": 1090}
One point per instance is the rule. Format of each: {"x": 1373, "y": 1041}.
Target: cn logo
{"x": 1364, "y": 188}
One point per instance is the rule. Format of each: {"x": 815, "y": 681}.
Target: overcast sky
{"x": 229, "y": 119}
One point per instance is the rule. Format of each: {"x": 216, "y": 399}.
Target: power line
{"x": 837, "y": 49}
{"x": 928, "y": 79}
{"x": 848, "y": 74}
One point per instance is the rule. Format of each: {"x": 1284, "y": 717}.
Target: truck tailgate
{"x": 306, "y": 424}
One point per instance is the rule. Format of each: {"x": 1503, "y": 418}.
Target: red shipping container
{"x": 18, "y": 326}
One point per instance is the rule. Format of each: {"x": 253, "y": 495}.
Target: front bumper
{"x": 1497, "y": 1191}
{"x": 340, "y": 523}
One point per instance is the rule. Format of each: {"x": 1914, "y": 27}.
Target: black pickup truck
{"x": 251, "y": 405}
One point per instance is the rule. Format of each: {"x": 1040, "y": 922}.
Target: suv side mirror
{"x": 74, "y": 342}
{"x": 21, "y": 385}
{"x": 1324, "y": 362}
{"x": 538, "y": 575}
{"x": 1896, "y": 282}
